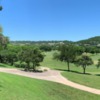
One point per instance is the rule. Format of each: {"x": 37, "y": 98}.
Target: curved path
{"x": 51, "y": 75}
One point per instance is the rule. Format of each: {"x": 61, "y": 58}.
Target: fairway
{"x": 91, "y": 79}
{"x": 58, "y": 65}
{"x": 14, "y": 87}
{"x": 87, "y": 80}
{"x": 50, "y": 50}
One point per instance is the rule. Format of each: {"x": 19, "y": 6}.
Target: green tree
{"x": 67, "y": 54}
{"x": 98, "y": 64}
{"x": 84, "y": 61}
{"x": 25, "y": 56}
{"x": 3, "y": 40}
{"x": 30, "y": 55}
{"x": 8, "y": 57}
{"x": 36, "y": 58}
{"x": 45, "y": 47}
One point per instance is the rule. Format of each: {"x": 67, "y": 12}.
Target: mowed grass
{"x": 58, "y": 65}
{"x": 88, "y": 80}
{"x": 53, "y": 64}
{"x": 92, "y": 78}
{"x": 13, "y": 87}
{"x": 6, "y": 66}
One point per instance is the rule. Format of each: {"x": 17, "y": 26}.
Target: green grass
{"x": 6, "y": 66}
{"x": 92, "y": 80}
{"x": 95, "y": 57}
{"x": 54, "y": 64}
{"x": 88, "y": 80}
{"x": 13, "y": 87}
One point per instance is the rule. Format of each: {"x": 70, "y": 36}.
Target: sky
{"x": 38, "y": 20}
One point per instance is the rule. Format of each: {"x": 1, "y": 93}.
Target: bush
{"x": 16, "y": 64}
{"x": 22, "y": 65}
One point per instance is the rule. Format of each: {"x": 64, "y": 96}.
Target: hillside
{"x": 90, "y": 41}
{"x": 52, "y": 42}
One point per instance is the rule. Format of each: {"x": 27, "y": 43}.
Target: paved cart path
{"x": 51, "y": 75}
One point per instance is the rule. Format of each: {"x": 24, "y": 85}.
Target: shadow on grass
{"x": 1, "y": 87}
{"x": 60, "y": 69}
{"x": 6, "y": 65}
{"x": 73, "y": 71}
{"x": 36, "y": 71}
{"x": 97, "y": 74}
{"x": 2, "y": 65}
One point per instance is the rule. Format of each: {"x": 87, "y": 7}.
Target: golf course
{"x": 20, "y": 87}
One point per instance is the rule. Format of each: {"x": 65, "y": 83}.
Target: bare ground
{"x": 51, "y": 75}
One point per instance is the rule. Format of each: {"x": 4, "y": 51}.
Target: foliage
{"x": 91, "y": 41}
{"x": 7, "y": 56}
{"x": 3, "y": 41}
{"x": 84, "y": 61}
{"x": 29, "y": 55}
{"x": 1, "y": 8}
{"x": 67, "y": 54}
{"x": 45, "y": 47}
{"x": 98, "y": 64}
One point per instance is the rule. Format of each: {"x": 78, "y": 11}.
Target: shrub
{"x": 16, "y": 64}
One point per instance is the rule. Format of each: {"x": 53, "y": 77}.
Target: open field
{"x": 91, "y": 79}
{"x": 58, "y": 65}
{"x": 14, "y": 87}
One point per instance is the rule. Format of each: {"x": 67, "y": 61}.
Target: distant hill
{"x": 40, "y": 42}
{"x": 90, "y": 41}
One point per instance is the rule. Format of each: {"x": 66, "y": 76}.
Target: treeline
{"x": 29, "y": 56}
{"x": 77, "y": 55}
{"x": 25, "y": 56}
{"x": 94, "y": 41}
{"x": 40, "y": 42}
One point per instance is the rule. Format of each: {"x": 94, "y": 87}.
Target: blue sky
{"x": 50, "y": 19}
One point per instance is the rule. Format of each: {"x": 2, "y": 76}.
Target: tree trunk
{"x": 12, "y": 63}
{"x": 84, "y": 68}
{"x": 28, "y": 66}
{"x": 34, "y": 68}
{"x": 68, "y": 66}
{"x": 25, "y": 67}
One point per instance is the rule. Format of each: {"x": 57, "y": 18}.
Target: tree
{"x": 67, "y": 54}
{"x": 30, "y": 55}
{"x": 45, "y": 47}
{"x": 7, "y": 56}
{"x": 84, "y": 61}
{"x": 37, "y": 57}
{"x": 1, "y": 8}
{"x": 98, "y": 64}
{"x": 24, "y": 56}
{"x": 3, "y": 40}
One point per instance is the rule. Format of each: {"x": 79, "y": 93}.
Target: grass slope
{"x": 88, "y": 80}
{"x": 6, "y": 66}
{"x": 14, "y": 87}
